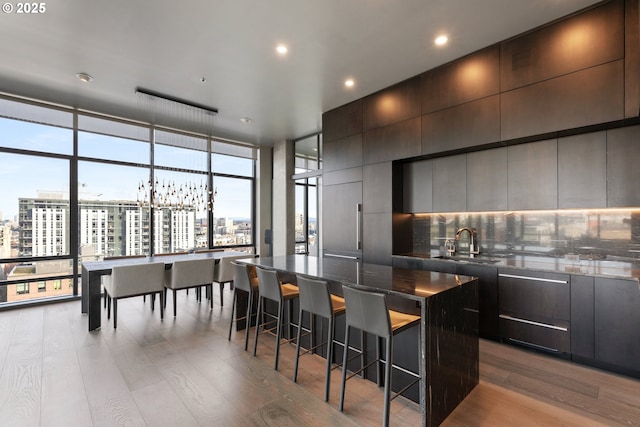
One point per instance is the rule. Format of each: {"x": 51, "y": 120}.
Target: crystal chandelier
{"x": 178, "y": 196}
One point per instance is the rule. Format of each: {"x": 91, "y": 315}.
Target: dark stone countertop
{"x": 596, "y": 268}
{"x": 414, "y": 284}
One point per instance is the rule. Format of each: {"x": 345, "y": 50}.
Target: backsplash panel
{"x": 591, "y": 234}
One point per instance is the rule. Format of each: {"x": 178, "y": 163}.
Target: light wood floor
{"x": 184, "y": 372}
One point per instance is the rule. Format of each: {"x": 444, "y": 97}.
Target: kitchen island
{"x": 447, "y": 304}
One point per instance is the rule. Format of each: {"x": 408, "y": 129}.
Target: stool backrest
{"x": 241, "y": 276}
{"x": 367, "y": 311}
{"x": 269, "y": 284}
{"x": 314, "y": 296}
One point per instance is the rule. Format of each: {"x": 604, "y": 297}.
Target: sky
{"x": 25, "y": 175}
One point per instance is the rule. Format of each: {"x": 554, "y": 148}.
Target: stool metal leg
{"x": 327, "y": 384}
{"x": 344, "y": 367}
{"x": 387, "y": 381}
{"x": 248, "y": 325}
{"x": 299, "y": 335}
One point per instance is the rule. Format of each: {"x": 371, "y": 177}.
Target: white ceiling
{"x": 168, "y": 46}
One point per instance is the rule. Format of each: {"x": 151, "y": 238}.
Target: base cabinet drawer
{"x": 553, "y": 338}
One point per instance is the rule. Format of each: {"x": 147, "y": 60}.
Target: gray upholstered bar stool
{"x": 243, "y": 282}
{"x": 272, "y": 289}
{"x": 368, "y": 312}
{"x": 316, "y": 299}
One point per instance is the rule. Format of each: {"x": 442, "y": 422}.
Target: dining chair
{"x": 134, "y": 280}
{"x": 316, "y": 299}
{"x": 189, "y": 273}
{"x": 368, "y": 312}
{"x": 105, "y": 279}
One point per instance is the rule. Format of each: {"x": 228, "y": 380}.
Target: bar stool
{"x": 243, "y": 282}
{"x": 316, "y": 299}
{"x": 271, "y": 288}
{"x": 368, "y": 312}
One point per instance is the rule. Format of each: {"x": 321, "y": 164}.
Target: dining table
{"x": 92, "y": 272}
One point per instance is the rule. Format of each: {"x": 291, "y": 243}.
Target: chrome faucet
{"x": 474, "y": 248}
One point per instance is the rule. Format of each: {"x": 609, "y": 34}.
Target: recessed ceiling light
{"x": 203, "y": 79}
{"x": 282, "y": 49}
{"x": 246, "y": 120}
{"x": 349, "y": 83}
{"x": 84, "y": 77}
{"x": 441, "y": 40}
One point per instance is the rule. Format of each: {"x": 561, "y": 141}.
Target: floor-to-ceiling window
{"x": 36, "y": 258}
{"x": 308, "y": 167}
{"x": 78, "y": 186}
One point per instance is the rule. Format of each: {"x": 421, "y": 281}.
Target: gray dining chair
{"x": 189, "y": 273}
{"x": 134, "y": 280}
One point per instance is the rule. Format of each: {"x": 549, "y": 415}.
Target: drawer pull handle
{"x": 536, "y": 279}
{"x": 531, "y": 322}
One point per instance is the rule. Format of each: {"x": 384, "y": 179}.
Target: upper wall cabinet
{"x": 466, "y": 125}
{"x": 391, "y": 142}
{"x": 623, "y": 173}
{"x": 397, "y": 103}
{"x": 632, "y": 59}
{"x": 582, "y": 41}
{"x": 418, "y": 186}
{"x": 467, "y": 79}
{"x": 582, "y": 171}
{"x": 450, "y": 184}
{"x": 532, "y": 175}
{"x": 342, "y": 121}
{"x": 342, "y": 153}
{"x": 487, "y": 180}
{"x": 591, "y": 96}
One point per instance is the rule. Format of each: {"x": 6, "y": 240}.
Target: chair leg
{"x": 378, "y": 362}
{"x": 175, "y": 302}
{"x": 295, "y": 366}
{"x": 344, "y": 367}
{"x": 115, "y": 313}
{"x": 387, "y": 381}
{"x": 278, "y": 334}
{"x": 248, "y": 324}
{"x": 108, "y": 307}
{"x": 221, "y": 296}
{"x": 161, "y": 293}
{"x": 327, "y": 383}
{"x": 165, "y": 297}
{"x": 233, "y": 310}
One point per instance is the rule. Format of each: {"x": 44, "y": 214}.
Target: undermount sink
{"x": 468, "y": 259}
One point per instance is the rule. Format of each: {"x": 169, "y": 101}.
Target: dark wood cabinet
{"x": 582, "y": 171}
{"x": 487, "y": 180}
{"x": 582, "y": 317}
{"x": 342, "y": 153}
{"x": 450, "y": 183}
{"x": 342, "y": 121}
{"x": 377, "y": 238}
{"x": 587, "y": 97}
{"x": 466, "y": 125}
{"x": 585, "y": 40}
{"x": 377, "y": 183}
{"x": 394, "y": 104}
{"x": 534, "y": 309}
{"x": 623, "y": 173}
{"x": 533, "y": 175}
{"x": 342, "y": 212}
{"x": 396, "y": 141}
{"x": 487, "y": 297}
{"x": 616, "y": 320}
{"x": 418, "y": 186}
{"x": 466, "y": 79}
